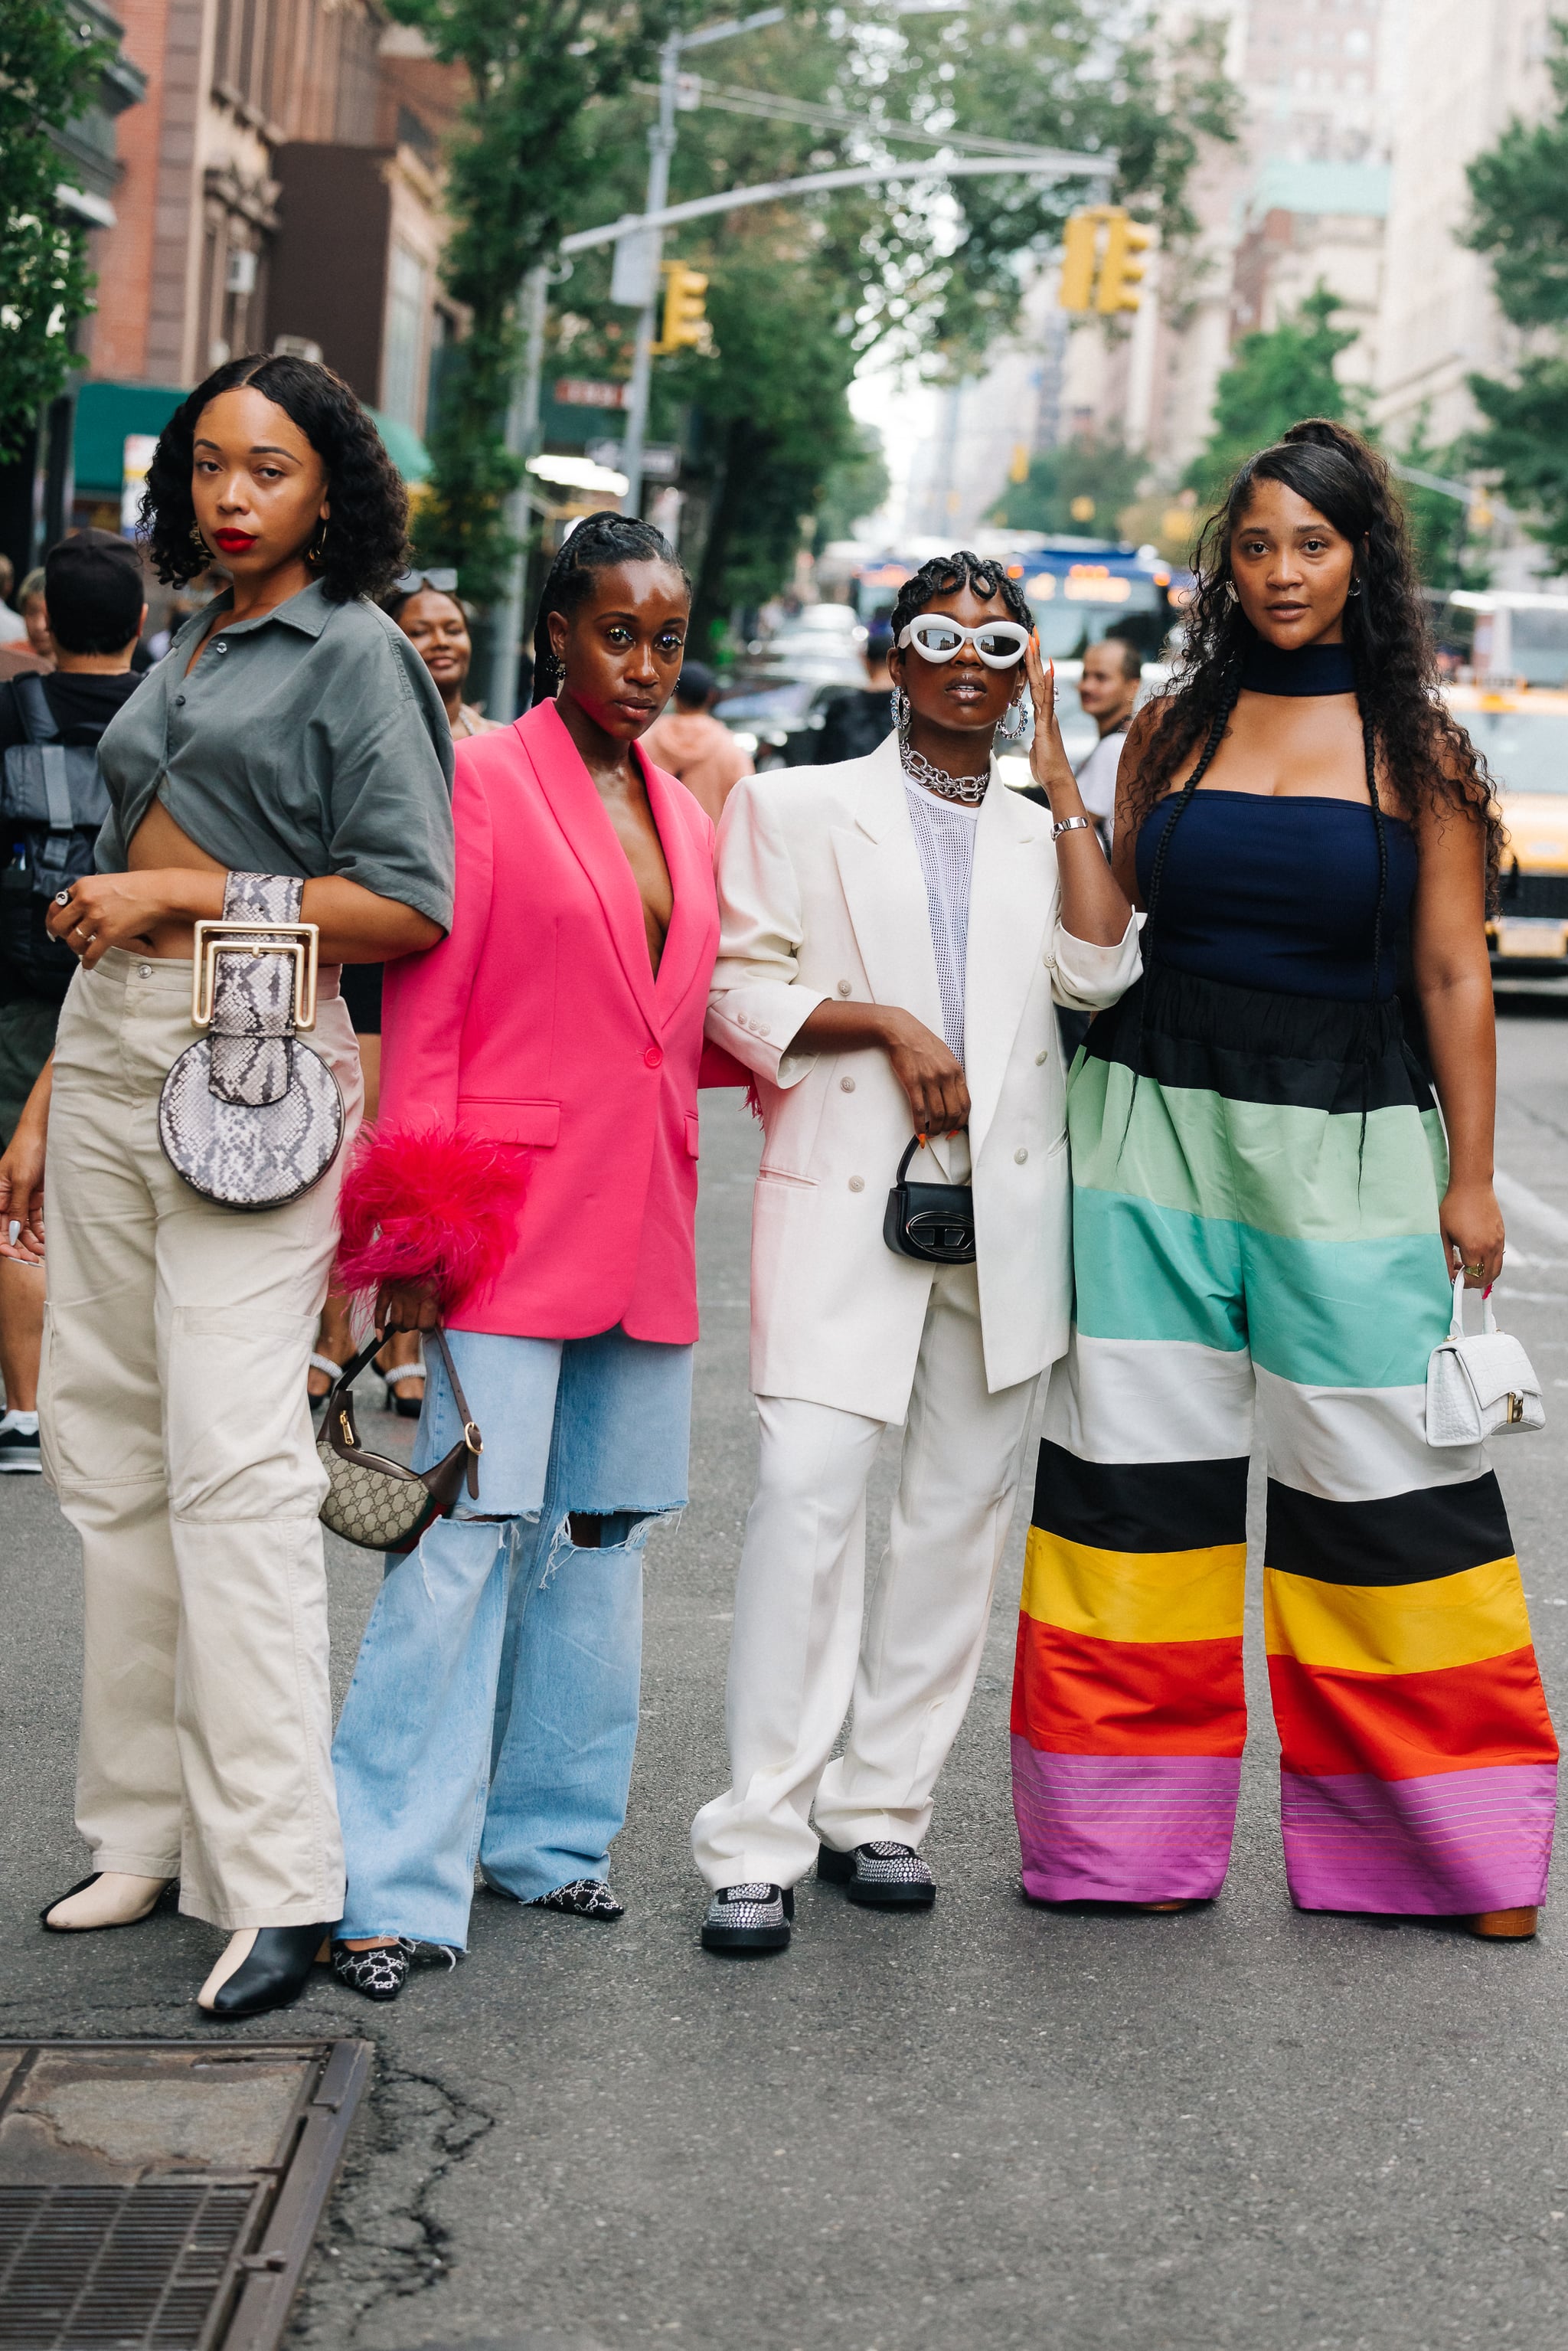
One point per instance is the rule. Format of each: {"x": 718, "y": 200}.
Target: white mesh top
{"x": 944, "y": 836}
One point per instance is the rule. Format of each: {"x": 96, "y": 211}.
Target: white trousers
{"x": 176, "y": 1430}
{"x": 806, "y": 1643}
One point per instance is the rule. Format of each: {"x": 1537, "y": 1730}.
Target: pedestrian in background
{"x": 93, "y": 590}
{"x": 13, "y": 628}
{"x": 896, "y": 930}
{"x": 425, "y": 607}
{"x": 1267, "y": 1216}
{"x": 860, "y": 717}
{"x": 539, "y": 1080}
{"x": 33, "y": 601}
{"x": 290, "y": 751}
{"x": 689, "y": 743}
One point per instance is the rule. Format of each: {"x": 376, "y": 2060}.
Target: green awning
{"x": 404, "y": 447}
{"x": 106, "y": 412}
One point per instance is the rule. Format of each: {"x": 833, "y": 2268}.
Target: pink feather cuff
{"x": 428, "y": 1205}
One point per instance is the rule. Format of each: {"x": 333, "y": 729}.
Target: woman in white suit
{"x": 896, "y": 933}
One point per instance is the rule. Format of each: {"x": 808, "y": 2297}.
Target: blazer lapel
{"x": 694, "y": 922}
{"x": 585, "y": 822}
{"x": 1012, "y": 904}
{"x": 879, "y": 869}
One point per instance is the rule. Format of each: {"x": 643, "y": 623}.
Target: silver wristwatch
{"x": 1072, "y": 824}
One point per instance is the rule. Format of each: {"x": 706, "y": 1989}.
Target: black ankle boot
{"x": 273, "y": 1973}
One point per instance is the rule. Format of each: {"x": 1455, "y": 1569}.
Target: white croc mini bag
{"x": 1481, "y": 1385}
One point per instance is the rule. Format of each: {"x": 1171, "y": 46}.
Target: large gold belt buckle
{"x": 299, "y": 941}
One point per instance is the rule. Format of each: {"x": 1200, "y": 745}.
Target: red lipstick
{"x": 236, "y": 542}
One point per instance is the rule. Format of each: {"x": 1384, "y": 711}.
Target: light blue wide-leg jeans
{"x": 493, "y": 1711}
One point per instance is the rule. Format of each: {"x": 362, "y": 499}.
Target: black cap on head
{"x": 696, "y": 683}
{"x": 93, "y": 588}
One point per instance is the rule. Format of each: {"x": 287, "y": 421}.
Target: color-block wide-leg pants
{"x": 1256, "y": 1232}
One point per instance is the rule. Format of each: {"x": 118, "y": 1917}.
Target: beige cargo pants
{"x": 176, "y": 1432}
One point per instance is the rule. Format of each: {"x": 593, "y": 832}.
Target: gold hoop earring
{"x": 316, "y": 548}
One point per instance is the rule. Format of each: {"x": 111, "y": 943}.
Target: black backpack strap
{"x": 34, "y": 704}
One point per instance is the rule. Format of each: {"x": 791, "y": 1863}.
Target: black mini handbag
{"x": 935, "y": 1222}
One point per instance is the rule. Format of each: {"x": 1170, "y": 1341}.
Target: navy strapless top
{"x": 1278, "y": 894}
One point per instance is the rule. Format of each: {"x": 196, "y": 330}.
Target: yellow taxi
{"x": 1524, "y": 736}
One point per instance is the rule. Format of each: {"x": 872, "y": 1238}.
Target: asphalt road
{"x": 1239, "y": 2130}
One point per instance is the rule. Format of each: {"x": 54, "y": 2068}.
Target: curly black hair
{"x": 1426, "y": 756}
{"x": 365, "y": 544}
{"x": 946, "y": 575}
{"x": 600, "y": 541}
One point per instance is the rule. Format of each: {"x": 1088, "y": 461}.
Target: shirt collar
{"x": 308, "y": 611}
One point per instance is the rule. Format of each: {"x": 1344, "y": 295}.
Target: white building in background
{"x": 1466, "y": 68}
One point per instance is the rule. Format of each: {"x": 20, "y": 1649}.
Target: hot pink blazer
{"x": 536, "y": 1043}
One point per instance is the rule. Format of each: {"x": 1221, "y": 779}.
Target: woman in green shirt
{"x": 291, "y": 730}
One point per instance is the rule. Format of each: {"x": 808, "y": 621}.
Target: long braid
{"x": 1369, "y": 745}
{"x": 1230, "y": 693}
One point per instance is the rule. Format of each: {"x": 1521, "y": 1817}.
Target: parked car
{"x": 1523, "y": 738}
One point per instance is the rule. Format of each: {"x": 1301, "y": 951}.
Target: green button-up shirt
{"x": 309, "y": 740}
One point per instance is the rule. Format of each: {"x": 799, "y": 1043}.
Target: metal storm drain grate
{"x": 163, "y": 2195}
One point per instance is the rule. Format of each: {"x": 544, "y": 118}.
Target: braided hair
{"x": 949, "y": 575}
{"x": 599, "y": 543}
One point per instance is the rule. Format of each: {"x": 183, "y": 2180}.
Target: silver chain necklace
{"x": 969, "y": 790}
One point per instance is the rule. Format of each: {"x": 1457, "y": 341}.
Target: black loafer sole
{"x": 746, "y": 1942}
{"x": 891, "y": 1897}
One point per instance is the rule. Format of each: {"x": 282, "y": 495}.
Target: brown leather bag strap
{"x": 471, "y": 1435}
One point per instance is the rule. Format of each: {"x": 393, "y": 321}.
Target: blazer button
{"x": 1043, "y": 1055}
{"x": 654, "y": 1057}
{"x": 857, "y": 1182}
{"x": 1019, "y": 1156}
{"x": 843, "y": 987}
{"x": 846, "y": 1085}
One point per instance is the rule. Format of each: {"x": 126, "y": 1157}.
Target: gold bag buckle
{"x": 1515, "y": 1410}
{"x": 299, "y": 941}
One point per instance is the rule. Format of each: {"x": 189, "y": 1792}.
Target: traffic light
{"x": 685, "y": 326}
{"x": 1083, "y": 261}
{"x": 1078, "y": 244}
{"x": 1119, "y": 273}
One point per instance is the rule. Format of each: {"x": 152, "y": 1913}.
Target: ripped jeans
{"x": 493, "y": 1713}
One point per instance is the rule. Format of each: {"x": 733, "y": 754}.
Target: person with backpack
{"x": 49, "y": 731}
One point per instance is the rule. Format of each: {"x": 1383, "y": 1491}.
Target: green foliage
{"x": 48, "y": 75}
{"x": 853, "y": 488}
{"x": 1519, "y": 192}
{"x": 1105, "y": 472}
{"x": 1275, "y": 379}
{"x": 1440, "y": 527}
{"x": 529, "y": 154}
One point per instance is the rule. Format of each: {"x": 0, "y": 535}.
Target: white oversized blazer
{"x": 822, "y": 895}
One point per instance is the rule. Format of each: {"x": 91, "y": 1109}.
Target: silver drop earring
{"x": 901, "y": 711}
{"x": 1013, "y": 723}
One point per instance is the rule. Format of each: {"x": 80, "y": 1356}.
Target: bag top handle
{"x": 1488, "y": 1318}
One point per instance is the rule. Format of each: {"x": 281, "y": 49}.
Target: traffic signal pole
{"x": 661, "y": 147}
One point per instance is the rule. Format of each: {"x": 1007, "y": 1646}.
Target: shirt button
{"x": 1019, "y": 1156}
{"x": 179, "y": 702}
{"x": 843, "y": 987}
{"x": 654, "y": 1057}
{"x": 857, "y": 1182}
{"x": 220, "y": 648}
{"x": 846, "y": 1085}
{"x": 143, "y": 971}
{"x": 1043, "y": 1055}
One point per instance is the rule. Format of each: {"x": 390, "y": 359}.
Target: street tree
{"x": 1277, "y": 376}
{"x": 49, "y": 66}
{"x": 1519, "y": 219}
{"x": 1080, "y": 487}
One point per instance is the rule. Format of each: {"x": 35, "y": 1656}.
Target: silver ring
{"x": 62, "y": 897}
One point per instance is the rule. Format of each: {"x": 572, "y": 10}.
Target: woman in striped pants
{"x": 1269, "y": 1212}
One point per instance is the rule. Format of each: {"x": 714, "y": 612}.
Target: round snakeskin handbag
{"x": 374, "y": 1501}
{"x": 249, "y": 1116}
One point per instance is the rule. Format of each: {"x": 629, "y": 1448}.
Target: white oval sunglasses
{"x": 935, "y": 638}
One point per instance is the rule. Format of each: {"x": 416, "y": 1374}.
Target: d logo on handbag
{"x": 935, "y": 1222}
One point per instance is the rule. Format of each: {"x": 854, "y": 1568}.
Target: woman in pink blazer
{"x": 532, "y": 1185}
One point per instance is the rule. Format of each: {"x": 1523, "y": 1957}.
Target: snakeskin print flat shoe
{"x": 585, "y": 1897}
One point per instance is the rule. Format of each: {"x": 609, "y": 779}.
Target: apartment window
{"x": 402, "y": 363}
